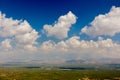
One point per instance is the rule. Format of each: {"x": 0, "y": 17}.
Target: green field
{"x": 11, "y": 73}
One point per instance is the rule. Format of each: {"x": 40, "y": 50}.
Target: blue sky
{"x": 45, "y": 30}
{"x": 40, "y": 12}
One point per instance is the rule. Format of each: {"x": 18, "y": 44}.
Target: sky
{"x": 59, "y": 30}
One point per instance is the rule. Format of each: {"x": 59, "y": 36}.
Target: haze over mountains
{"x": 79, "y": 62}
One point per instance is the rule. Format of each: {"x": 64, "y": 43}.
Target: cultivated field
{"x": 13, "y": 73}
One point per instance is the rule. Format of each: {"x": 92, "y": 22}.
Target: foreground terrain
{"x": 13, "y": 73}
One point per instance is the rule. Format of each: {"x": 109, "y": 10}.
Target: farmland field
{"x": 15, "y": 73}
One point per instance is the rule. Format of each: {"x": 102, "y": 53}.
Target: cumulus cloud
{"x": 17, "y": 36}
{"x": 107, "y": 24}
{"x": 6, "y": 44}
{"x": 61, "y": 28}
{"x": 10, "y": 27}
{"x": 99, "y": 48}
{"x": 17, "y": 32}
{"x": 27, "y": 38}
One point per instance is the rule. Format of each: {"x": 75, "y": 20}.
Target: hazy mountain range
{"x": 79, "y": 62}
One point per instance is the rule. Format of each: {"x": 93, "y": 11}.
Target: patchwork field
{"x": 11, "y": 73}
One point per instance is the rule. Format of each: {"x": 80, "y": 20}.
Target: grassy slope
{"x": 40, "y": 74}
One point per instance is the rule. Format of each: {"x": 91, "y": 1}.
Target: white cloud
{"x": 48, "y": 45}
{"x": 30, "y": 47}
{"x": 18, "y": 38}
{"x": 10, "y": 27}
{"x": 17, "y": 32}
{"x": 108, "y": 24}
{"x": 6, "y": 44}
{"x": 27, "y": 38}
{"x": 99, "y": 48}
{"x": 61, "y": 28}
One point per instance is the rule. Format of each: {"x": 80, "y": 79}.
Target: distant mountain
{"x": 76, "y": 61}
{"x": 95, "y": 61}
{"x": 112, "y": 62}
